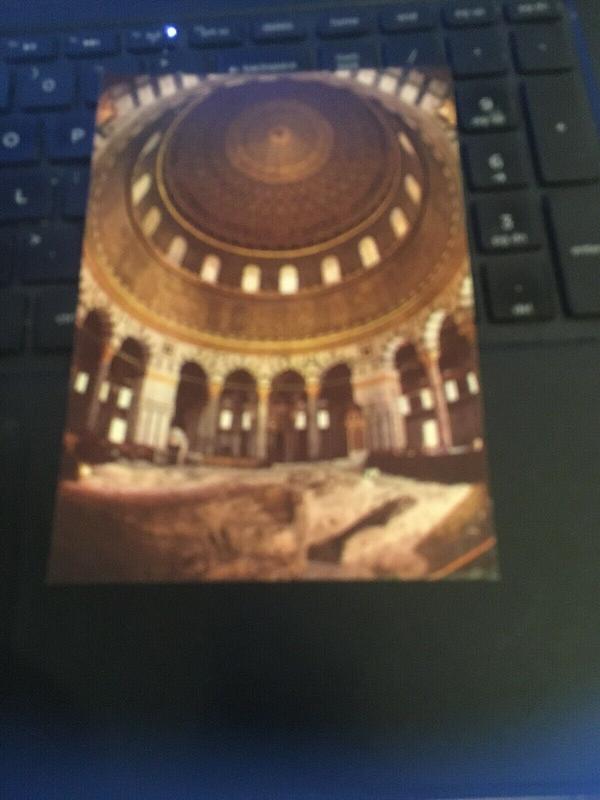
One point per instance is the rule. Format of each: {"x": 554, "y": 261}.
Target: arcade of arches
{"x": 419, "y": 401}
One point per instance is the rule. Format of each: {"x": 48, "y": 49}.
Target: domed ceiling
{"x": 275, "y": 214}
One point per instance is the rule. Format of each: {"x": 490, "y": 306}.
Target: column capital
{"x": 107, "y": 353}
{"x": 215, "y": 386}
{"x": 429, "y": 356}
{"x": 313, "y": 387}
{"x": 465, "y": 322}
{"x": 263, "y": 390}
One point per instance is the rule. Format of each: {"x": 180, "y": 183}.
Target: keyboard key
{"x": 575, "y": 215}
{"x": 91, "y": 74}
{"x": 75, "y": 191}
{"x": 344, "y": 23}
{"x": 8, "y": 255}
{"x": 278, "y": 29}
{"x": 148, "y": 40}
{"x": 217, "y": 34}
{"x": 497, "y": 162}
{"x": 19, "y": 140}
{"x": 519, "y": 288}
{"x": 29, "y": 48}
{"x": 45, "y": 86}
{"x": 461, "y": 13}
{"x": 4, "y": 86}
{"x": 481, "y": 52}
{"x": 412, "y": 17}
{"x": 264, "y": 59}
{"x": 508, "y": 222}
{"x": 543, "y": 48}
{"x": 24, "y": 194}
{"x": 13, "y": 308}
{"x": 419, "y": 49}
{"x": 54, "y": 318}
{"x": 50, "y": 253}
{"x": 82, "y": 45}
{"x": 487, "y": 106}
{"x": 175, "y": 61}
{"x": 70, "y": 136}
{"x": 349, "y": 55}
{"x": 566, "y": 144}
{"x": 533, "y": 10}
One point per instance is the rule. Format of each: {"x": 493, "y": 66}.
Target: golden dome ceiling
{"x": 275, "y": 214}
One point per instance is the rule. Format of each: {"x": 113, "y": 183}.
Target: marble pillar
{"x": 98, "y": 380}
{"x": 209, "y": 421}
{"x": 262, "y": 421}
{"x": 155, "y": 402}
{"x": 431, "y": 361}
{"x": 378, "y": 395}
{"x": 313, "y": 388}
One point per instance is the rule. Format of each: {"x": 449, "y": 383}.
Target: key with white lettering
{"x": 565, "y": 137}
{"x": 50, "y": 253}
{"x": 519, "y": 288}
{"x": 54, "y": 318}
{"x": 575, "y": 216}
{"x": 70, "y": 136}
{"x": 45, "y": 86}
{"x": 508, "y": 222}
{"x": 100, "y": 43}
{"x": 19, "y": 140}
{"x": 24, "y": 194}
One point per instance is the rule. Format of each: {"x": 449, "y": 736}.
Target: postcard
{"x": 275, "y": 374}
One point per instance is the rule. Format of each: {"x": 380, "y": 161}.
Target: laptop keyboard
{"x": 529, "y": 145}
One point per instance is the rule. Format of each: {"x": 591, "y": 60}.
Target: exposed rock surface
{"x": 137, "y": 522}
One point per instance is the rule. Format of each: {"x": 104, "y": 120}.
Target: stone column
{"x": 263, "y": 391}
{"x": 378, "y": 394}
{"x": 98, "y": 379}
{"x": 313, "y": 387}
{"x": 209, "y": 421}
{"x": 155, "y": 408}
{"x": 431, "y": 361}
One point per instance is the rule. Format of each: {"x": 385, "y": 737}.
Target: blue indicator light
{"x": 170, "y": 31}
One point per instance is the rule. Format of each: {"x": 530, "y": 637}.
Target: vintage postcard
{"x": 275, "y": 375}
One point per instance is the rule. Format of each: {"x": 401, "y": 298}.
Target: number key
{"x": 508, "y": 222}
{"x": 489, "y": 106}
{"x": 496, "y": 162}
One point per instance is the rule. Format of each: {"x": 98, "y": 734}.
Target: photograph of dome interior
{"x": 275, "y": 374}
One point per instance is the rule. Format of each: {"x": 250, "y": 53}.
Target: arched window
{"x": 331, "y": 271}
{"x": 431, "y": 434}
{"x": 451, "y": 390}
{"x": 369, "y": 252}
{"x": 140, "y": 188}
{"x": 209, "y": 271}
{"x": 472, "y": 382}
{"x": 151, "y": 221}
{"x": 406, "y": 143}
{"x": 413, "y": 188}
{"x": 288, "y": 279}
{"x": 177, "y": 249}
{"x": 251, "y": 278}
{"x": 426, "y": 397}
{"x": 399, "y": 222}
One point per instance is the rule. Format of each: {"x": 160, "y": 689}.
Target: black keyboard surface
{"x": 529, "y": 145}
